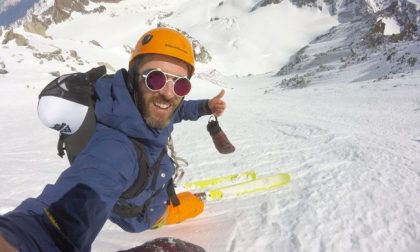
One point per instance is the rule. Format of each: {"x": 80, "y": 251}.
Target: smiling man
{"x": 124, "y": 173}
{"x": 158, "y": 103}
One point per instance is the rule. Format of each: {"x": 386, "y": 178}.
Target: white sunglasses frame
{"x": 146, "y": 73}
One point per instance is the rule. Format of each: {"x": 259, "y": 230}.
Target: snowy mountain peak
{"x": 56, "y": 10}
{"x": 232, "y": 28}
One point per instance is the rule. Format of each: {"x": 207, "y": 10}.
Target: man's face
{"x": 158, "y": 107}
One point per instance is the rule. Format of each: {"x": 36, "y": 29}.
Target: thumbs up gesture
{"x": 217, "y": 105}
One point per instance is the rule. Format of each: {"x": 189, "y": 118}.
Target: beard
{"x": 153, "y": 119}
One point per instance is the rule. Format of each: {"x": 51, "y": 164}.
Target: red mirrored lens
{"x": 155, "y": 80}
{"x": 182, "y": 86}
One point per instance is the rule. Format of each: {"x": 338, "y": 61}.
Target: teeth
{"x": 162, "y": 105}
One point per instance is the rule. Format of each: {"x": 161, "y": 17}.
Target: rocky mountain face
{"x": 348, "y": 10}
{"x": 361, "y": 40}
{"x": 345, "y": 9}
{"x": 60, "y": 11}
{"x": 405, "y": 13}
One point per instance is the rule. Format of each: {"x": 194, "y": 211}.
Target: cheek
{"x": 144, "y": 93}
{"x": 141, "y": 87}
{"x": 178, "y": 100}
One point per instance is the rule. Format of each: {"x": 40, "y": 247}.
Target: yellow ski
{"x": 234, "y": 178}
{"x": 264, "y": 183}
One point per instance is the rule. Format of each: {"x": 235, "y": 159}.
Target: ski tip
{"x": 287, "y": 177}
{"x": 215, "y": 194}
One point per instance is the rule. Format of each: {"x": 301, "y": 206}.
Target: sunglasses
{"x": 156, "y": 80}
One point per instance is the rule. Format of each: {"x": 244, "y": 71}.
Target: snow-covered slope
{"x": 340, "y": 116}
{"x": 233, "y": 35}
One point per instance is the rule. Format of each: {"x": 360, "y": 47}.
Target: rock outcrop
{"x": 55, "y": 55}
{"x": 406, "y": 15}
{"x": 35, "y": 26}
{"x": 348, "y": 10}
{"x": 265, "y": 3}
{"x": 59, "y": 12}
{"x": 3, "y": 68}
{"x": 19, "y": 39}
{"x": 62, "y": 9}
{"x": 375, "y": 36}
{"x": 95, "y": 43}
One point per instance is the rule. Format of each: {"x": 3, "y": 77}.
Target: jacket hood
{"x": 115, "y": 108}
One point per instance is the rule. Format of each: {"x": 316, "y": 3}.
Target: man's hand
{"x": 217, "y": 105}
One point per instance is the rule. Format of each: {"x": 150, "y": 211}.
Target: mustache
{"x": 161, "y": 99}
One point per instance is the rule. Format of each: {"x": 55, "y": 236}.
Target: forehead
{"x": 165, "y": 63}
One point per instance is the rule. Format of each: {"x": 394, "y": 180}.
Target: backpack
{"x": 67, "y": 104}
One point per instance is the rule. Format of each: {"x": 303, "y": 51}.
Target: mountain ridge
{"x": 60, "y": 10}
{"x": 368, "y": 32}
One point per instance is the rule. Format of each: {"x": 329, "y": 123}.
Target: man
{"x": 134, "y": 108}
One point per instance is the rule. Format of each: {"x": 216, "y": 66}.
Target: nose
{"x": 168, "y": 90}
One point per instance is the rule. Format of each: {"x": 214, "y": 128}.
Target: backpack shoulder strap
{"x": 172, "y": 194}
{"x": 60, "y": 146}
{"x": 129, "y": 211}
{"x": 140, "y": 182}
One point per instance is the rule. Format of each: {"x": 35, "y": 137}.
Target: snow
{"x": 240, "y": 35}
{"x": 391, "y": 26}
{"x": 351, "y": 144}
{"x": 243, "y": 35}
{"x": 416, "y": 2}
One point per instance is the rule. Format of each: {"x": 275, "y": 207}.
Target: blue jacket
{"x": 82, "y": 198}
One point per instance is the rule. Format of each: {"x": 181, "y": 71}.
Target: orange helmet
{"x": 164, "y": 41}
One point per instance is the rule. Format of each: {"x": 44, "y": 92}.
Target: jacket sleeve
{"x": 192, "y": 110}
{"x": 81, "y": 200}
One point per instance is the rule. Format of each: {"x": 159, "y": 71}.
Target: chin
{"x": 156, "y": 124}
